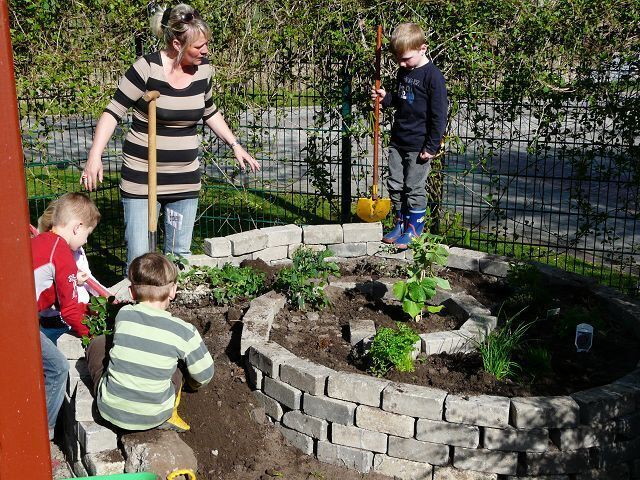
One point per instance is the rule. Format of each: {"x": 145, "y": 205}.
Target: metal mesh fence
{"x": 553, "y": 178}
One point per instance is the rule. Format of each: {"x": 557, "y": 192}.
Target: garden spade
{"x": 375, "y": 209}
{"x": 152, "y": 193}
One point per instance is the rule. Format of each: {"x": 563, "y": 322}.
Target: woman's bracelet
{"x": 234, "y": 143}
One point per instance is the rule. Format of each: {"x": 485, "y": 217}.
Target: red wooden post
{"x": 24, "y": 444}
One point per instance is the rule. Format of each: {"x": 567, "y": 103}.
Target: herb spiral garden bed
{"x": 411, "y": 431}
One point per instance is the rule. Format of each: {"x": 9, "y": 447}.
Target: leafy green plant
{"x": 537, "y": 360}
{"x": 498, "y": 347}
{"x": 528, "y": 288}
{"x": 100, "y": 320}
{"x": 304, "y": 281}
{"x": 415, "y": 292}
{"x": 179, "y": 261}
{"x": 392, "y": 348}
{"x": 231, "y": 283}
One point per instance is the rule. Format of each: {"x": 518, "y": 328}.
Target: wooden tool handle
{"x": 152, "y": 192}
{"x": 376, "y": 117}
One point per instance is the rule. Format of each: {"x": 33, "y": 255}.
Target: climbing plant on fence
{"x": 541, "y": 157}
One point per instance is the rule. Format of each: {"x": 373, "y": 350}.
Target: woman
{"x": 182, "y": 75}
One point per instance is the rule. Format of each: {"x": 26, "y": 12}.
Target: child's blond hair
{"x": 405, "y": 37}
{"x": 152, "y": 276}
{"x": 68, "y": 207}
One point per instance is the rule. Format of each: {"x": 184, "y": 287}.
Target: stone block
{"x": 351, "y": 436}
{"x": 464, "y": 259}
{"x": 303, "y": 423}
{"x": 385, "y": 422}
{"x": 304, "y": 375}
{"x": 481, "y": 410}
{"x": 203, "y": 260}
{"x": 557, "y": 463}
{"x": 494, "y": 265}
{"x": 582, "y": 436}
{"x": 600, "y": 404}
{"x": 454, "y": 434}
{"x": 157, "y": 451}
{"x": 417, "y": 451}
{"x": 541, "y": 412}
{"x": 285, "y": 394}
{"x": 359, "y": 329}
{"x": 285, "y": 262}
{"x": 302, "y": 442}
{"x": 84, "y": 405}
{"x": 254, "y": 377}
{"x": 489, "y": 461}
{"x": 70, "y": 346}
{"x": 322, "y": 234}
{"x": 315, "y": 248}
{"x": 104, "y": 463}
{"x": 283, "y": 235}
{"x": 336, "y": 411}
{"x": 362, "y": 232}
{"x": 352, "y": 458}
{"x": 616, "y": 453}
{"x": 217, "y": 247}
{"x": 248, "y": 340}
{"x": 414, "y": 400}
{"x": 450, "y": 473}
{"x": 247, "y": 242}
{"x": 402, "y": 469}
{"x": 356, "y": 388}
{"x": 463, "y": 305}
{"x": 78, "y": 371}
{"x": 479, "y": 326}
{"x": 258, "y": 320}
{"x": 235, "y": 260}
{"x": 270, "y": 254}
{"x": 348, "y": 250}
{"x": 446, "y": 342}
{"x": 96, "y": 438}
{"x": 514, "y": 439}
{"x": 271, "y": 406}
{"x": 268, "y": 357}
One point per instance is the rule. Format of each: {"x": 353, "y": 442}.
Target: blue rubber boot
{"x": 413, "y": 228}
{"x": 396, "y": 232}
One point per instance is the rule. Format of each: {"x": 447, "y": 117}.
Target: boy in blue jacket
{"x": 420, "y": 101}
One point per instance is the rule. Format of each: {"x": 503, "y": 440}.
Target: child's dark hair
{"x": 405, "y": 37}
{"x": 152, "y": 276}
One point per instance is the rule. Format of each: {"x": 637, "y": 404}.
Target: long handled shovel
{"x": 152, "y": 195}
{"x": 375, "y": 209}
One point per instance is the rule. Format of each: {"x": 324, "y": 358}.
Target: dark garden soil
{"x": 229, "y": 433}
{"x": 322, "y": 337}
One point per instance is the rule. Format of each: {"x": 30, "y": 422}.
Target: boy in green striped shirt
{"x": 140, "y": 387}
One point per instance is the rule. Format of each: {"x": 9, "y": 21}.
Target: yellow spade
{"x": 375, "y": 209}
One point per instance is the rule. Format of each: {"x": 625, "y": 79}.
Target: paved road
{"x": 532, "y": 193}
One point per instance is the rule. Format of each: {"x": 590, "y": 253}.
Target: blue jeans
{"x": 56, "y": 370}
{"x": 177, "y": 241}
{"x": 54, "y": 334}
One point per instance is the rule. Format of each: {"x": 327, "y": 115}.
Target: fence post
{"x": 345, "y": 187}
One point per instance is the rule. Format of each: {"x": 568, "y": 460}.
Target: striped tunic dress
{"x": 178, "y": 113}
{"x": 135, "y": 391}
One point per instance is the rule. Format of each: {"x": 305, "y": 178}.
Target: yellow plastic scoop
{"x": 375, "y": 209}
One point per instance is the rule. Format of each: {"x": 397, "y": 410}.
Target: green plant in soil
{"x": 420, "y": 287}
{"x": 101, "y": 319}
{"x": 392, "y": 348}
{"x": 498, "y": 348}
{"x": 304, "y": 281}
{"x": 179, "y": 261}
{"x": 537, "y": 360}
{"x": 528, "y": 289}
{"x": 231, "y": 283}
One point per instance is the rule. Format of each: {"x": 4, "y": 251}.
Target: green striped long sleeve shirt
{"x": 135, "y": 391}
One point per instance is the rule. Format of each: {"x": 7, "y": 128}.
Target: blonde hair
{"x": 405, "y": 37}
{"x": 70, "y": 206}
{"x": 45, "y": 221}
{"x": 152, "y": 276}
{"x": 170, "y": 24}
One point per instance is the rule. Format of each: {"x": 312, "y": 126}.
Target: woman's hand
{"x": 380, "y": 92}
{"x": 92, "y": 173}
{"x": 244, "y": 158}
